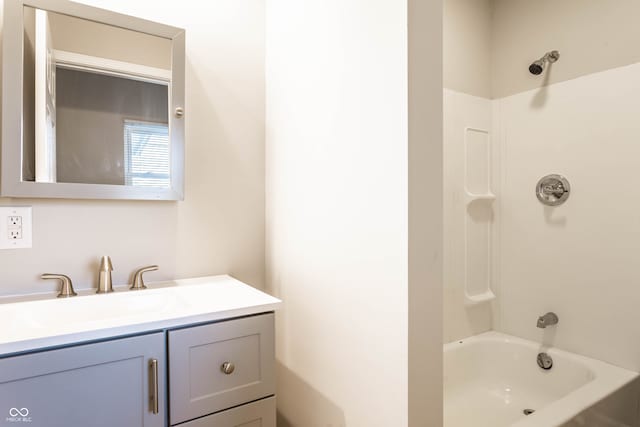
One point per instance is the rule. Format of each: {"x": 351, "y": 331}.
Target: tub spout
{"x": 547, "y": 320}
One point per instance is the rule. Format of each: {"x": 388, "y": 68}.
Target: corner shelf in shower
{"x": 480, "y": 298}
{"x": 470, "y": 197}
{"x": 479, "y": 199}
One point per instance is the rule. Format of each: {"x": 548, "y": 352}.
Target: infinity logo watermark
{"x": 18, "y": 415}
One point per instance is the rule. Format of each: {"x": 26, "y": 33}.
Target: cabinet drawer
{"x": 257, "y": 414}
{"x": 198, "y": 382}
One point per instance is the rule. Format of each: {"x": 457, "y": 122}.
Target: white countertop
{"x": 27, "y": 324}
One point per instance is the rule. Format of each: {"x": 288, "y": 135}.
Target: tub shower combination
{"x": 497, "y": 380}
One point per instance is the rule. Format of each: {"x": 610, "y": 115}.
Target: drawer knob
{"x": 228, "y": 368}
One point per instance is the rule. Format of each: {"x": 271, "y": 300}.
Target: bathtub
{"x": 492, "y": 378}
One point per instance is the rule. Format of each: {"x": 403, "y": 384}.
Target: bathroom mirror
{"x": 92, "y": 104}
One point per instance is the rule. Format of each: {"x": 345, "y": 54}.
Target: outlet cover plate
{"x": 24, "y": 227}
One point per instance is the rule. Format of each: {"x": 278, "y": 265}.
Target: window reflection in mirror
{"x": 96, "y": 105}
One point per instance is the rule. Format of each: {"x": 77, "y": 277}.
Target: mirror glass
{"x": 96, "y": 102}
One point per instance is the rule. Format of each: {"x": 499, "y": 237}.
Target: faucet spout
{"x": 547, "y": 320}
{"x": 104, "y": 276}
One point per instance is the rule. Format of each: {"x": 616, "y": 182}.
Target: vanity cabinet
{"x": 220, "y": 374}
{"x": 257, "y": 414}
{"x": 219, "y": 366}
{"x": 111, "y": 383}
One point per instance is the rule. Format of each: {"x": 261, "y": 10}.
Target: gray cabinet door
{"x": 257, "y": 414}
{"x": 103, "y": 384}
{"x": 217, "y": 366}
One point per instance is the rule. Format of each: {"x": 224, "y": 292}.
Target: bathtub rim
{"x": 607, "y": 379}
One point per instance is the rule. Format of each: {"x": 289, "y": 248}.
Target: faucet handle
{"x": 138, "y": 282}
{"x": 66, "y": 290}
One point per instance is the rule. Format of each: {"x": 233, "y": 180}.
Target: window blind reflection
{"x": 146, "y": 157}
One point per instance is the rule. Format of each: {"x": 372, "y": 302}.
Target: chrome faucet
{"x": 104, "y": 276}
{"x": 66, "y": 287}
{"x": 138, "y": 282}
{"x": 547, "y": 320}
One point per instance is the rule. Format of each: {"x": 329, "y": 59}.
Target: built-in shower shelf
{"x": 480, "y": 298}
{"x": 479, "y": 199}
{"x": 488, "y": 197}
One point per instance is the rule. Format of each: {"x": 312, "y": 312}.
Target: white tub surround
{"x": 490, "y": 379}
{"x": 35, "y": 324}
{"x": 470, "y": 199}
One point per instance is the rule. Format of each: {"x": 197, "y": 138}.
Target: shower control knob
{"x": 553, "y": 190}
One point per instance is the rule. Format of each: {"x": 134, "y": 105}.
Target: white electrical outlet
{"x": 15, "y": 234}
{"x": 14, "y": 221}
{"x": 15, "y": 227}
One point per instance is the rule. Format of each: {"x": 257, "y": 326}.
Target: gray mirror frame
{"x": 11, "y": 183}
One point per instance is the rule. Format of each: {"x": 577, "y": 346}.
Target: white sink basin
{"x": 83, "y": 309}
{"x": 35, "y": 324}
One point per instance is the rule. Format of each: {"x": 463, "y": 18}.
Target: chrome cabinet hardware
{"x": 138, "y": 282}
{"x": 153, "y": 397}
{"x": 153, "y": 367}
{"x": 66, "y": 288}
{"x": 228, "y": 368}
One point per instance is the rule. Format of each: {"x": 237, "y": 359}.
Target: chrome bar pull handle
{"x": 153, "y": 398}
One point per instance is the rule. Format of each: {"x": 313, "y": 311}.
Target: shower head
{"x": 537, "y": 67}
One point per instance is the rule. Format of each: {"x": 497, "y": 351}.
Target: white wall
{"x": 425, "y": 244}
{"x": 467, "y": 46}
{"x": 578, "y": 259}
{"x": 337, "y": 210}
{"x": 219, "y": 228}
{"x": 489, "y": 44}
{"x": 591, "y": 35}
